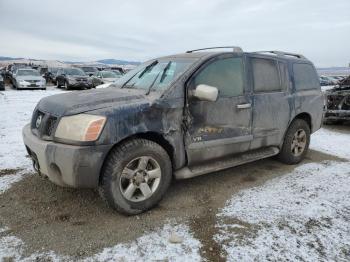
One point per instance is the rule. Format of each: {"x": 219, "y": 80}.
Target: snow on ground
{"x": 303, "y": 215}
{"x": 331, "y": 142}
{"x": 153, "y": 246}
{"x": 16, "y": 109}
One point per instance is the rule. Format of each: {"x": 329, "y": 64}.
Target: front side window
{"x": 265, "y": 75}
{"x": 305, "y": 77}
{"x": 226, "y": 74}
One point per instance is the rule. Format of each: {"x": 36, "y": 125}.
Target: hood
{"x": 39, "y": 78}
{"x": 78, "y": 76}
{"x": 83, "y": 101}
{"x": 109, "y": 80}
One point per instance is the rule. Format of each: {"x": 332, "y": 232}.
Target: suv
{"x": 176, "y": 116}
{"x": 72, "y": 77}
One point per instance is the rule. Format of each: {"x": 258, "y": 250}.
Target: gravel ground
{"x": 41, "y": 220}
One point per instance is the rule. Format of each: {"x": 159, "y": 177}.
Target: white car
{"x": 28, "y": 78}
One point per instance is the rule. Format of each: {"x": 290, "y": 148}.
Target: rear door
{"x": 272, "y": 100}
{"x": 221, "y": 128}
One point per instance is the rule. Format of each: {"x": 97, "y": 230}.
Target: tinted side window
{"x": 305, "y": 77}
{"x": 226, "y": 74}
{"x": 265, "y": 75}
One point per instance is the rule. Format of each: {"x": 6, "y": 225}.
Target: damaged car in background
{"x": 178, "y": 116}
{"x": 338, "y": 103}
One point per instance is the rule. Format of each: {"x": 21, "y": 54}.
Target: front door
{"x": 220, "y": 128}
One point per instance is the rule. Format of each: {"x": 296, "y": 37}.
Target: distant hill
{"x": 117, "y": 62}
{"x": 334, "y": 71}
{"x": 6, "y": 58}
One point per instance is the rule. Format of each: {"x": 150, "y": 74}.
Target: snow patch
{"x": 304, "y": 215}
{"x": 153, "y": 246}
{"x": 331, "y": 142}
{"x": 16, "y": 109}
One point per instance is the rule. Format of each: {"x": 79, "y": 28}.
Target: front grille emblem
{"x": 38, "y": 121}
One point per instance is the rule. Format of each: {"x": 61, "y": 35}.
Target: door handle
{"x": 244, "y": 106}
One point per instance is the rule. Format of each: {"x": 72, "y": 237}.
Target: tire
{"x": 115, "y": 181}
{"x": 297, "y": 137}
{"x": 58, "y": 84}
{"x": 66, "y": 85}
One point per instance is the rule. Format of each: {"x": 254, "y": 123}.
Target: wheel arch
{"x": 304, "y": 116}
{"x": 150, "y": 135}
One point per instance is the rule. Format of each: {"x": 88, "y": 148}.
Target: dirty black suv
{"x": 176, "y": 116}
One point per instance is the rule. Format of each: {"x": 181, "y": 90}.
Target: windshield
{"x": 74, "y": 72}
{"x": 28, "y": 72}
{"x": 154, "y": 75}
{"x": 53, "y": 70}
{"x": 89, "y": 69}
{"x": 109, "y": 74}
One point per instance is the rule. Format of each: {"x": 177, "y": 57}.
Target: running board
{"x": 188, "y": 172}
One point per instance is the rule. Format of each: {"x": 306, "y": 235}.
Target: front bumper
{"x": 80, "y": 84}
{"x": 66, "y": 165}
{"x": 337, "y": 115}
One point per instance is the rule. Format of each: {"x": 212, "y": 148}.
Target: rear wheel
{"x": 296, "y": 142}
{"x": 135, "y": 176}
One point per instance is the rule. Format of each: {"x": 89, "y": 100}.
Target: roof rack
{"x": 234, "y": 49}
{"x": 281, "y": 53}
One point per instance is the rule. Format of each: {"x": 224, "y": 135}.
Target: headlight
{"x": 24, "y": 83}
{"x": 82, "y": 127}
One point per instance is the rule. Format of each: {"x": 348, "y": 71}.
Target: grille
{"x": 43, "y": 124}
{"x": 33, "y": 81}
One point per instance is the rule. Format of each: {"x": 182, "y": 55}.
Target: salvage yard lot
{"x": 259, "y": 211}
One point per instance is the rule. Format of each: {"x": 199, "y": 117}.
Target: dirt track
{"x": 77, "y": 223}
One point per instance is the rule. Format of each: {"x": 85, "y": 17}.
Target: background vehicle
{"x": 338, "y": 103}
{"x": 104, "y": 77}
{"x": 2, "y": 83}
{"x": 89, "y": 70}
{"x": 49, "y": 73}
{"x": 28, "y": 78}
{"x": 72, "y": 77}
{"x": 327, "y": 81}
{"x": 117, "y": 69}
{"x": 177, "y": 116}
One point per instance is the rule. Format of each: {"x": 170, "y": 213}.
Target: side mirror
{"x": 206, "y": 93}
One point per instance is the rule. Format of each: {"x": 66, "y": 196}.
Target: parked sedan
{"x": 72, "y": 78}
{"x": 28, "y": 78}
{"x": 104, "y": 77}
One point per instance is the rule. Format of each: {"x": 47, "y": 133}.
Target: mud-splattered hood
{"x": 83, "y": 101}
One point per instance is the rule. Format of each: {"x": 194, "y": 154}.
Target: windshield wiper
{"x": 165, "y": 71}
{"x": 161, "y": 79}
{"x": 142, "y": 73}
{"x": 148, "y": 67}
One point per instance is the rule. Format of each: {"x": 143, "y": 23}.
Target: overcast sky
{"x": 83, "y": 30}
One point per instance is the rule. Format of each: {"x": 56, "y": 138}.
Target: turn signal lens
{"x": 94, "y": 129}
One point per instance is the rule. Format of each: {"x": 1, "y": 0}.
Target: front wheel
{"x": 296, "y": 142}
{"x": 135, "y": 176}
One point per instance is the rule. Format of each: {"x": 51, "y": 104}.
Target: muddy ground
{"x": 77, "y": 223}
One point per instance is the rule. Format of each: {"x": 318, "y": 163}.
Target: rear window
{"x": 265, "y": 75}
{"x": 305, "y": 77}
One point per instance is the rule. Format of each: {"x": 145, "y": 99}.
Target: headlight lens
{"x": 82, "y": 128}
{"x": 24, "y": 83}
